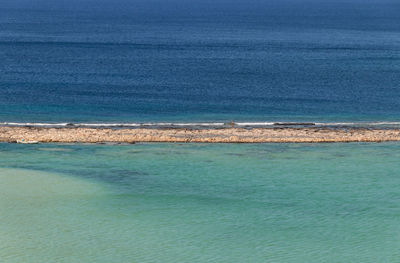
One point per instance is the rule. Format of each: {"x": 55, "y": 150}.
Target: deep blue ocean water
{"x": 113, "y": 61}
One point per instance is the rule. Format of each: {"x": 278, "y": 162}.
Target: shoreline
{"x": 209, "y": 125}
{"x": 204, "y": 135}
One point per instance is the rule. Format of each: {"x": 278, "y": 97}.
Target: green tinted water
{"x": 200, "y": 203}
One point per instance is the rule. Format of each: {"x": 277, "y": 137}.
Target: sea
{"x": 200, "y": 203}
{"x": 101, "y": 63}
{"x": 133, "y": 61}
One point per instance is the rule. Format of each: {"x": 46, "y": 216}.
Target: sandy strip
{"x": 226, "y": 135}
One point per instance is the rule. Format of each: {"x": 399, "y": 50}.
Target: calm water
{"x": 120, "y": 60}
{"x": 200, "y": 203}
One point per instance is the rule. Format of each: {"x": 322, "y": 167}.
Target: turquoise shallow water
{"x": 200, "y": 203}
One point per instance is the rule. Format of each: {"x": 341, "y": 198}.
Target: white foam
{"x": 361, "y": 123}
{"x": 254, "y": 123}
{"x": 32, "y": 124}
{"x": 38, "y": 124}
{"x": 197, "y": 124}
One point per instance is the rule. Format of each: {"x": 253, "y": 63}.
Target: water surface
{"x": 200, "y": 203}
{"x": 120, "y": 60}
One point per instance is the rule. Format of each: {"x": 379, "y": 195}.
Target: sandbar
{"x": 181, "y": 135}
